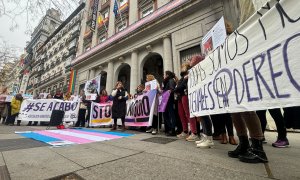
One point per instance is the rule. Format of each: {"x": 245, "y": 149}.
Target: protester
{"x": 169, "y": 114}
{"x": 58, "y": 95}
{"x": 154, "y": 128}
{"x": 119, "y": 95}
{"x": 103, "y": 96}
{"x": 139, "y": 91}
{"x": 221, "y": 122}
{"x": 3, "y": 107}
{"x": 206, "y": 140}
{"x": 181, "y": 91}
{"x": 15, "y": 108}
{"x": 291, "y": 117}
{"x": 49, "y": 96}
{"x": 243, "y": 121}
{"x": 82, "y": 110}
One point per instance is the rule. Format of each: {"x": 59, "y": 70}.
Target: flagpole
{"x": 120, "y": 13}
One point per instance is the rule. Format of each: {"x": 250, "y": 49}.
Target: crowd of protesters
{"x": 177, "y": 120}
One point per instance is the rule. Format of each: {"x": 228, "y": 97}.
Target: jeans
{"x": 184, "y": 114}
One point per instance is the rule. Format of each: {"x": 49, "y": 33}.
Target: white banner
{"x": 41, "y": 109}
{"x": 100, "y": 114}
{"x": 92, "y": 87}
{"x": 256, "y": 68}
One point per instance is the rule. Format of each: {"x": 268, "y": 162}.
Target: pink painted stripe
{"x": 136, "y": 124}
{"x": 94, "y": 134}
{"x": 76, "y": 140}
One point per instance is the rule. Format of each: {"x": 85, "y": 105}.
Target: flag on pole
{"x": 72, "y": 81}
{"x": 100, "y": 19}
{"x": 116, "y": 8}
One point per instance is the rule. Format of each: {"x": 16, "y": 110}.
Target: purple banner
{"x": 163, "y": 100}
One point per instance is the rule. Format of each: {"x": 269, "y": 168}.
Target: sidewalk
{"x": 137, "y": 158}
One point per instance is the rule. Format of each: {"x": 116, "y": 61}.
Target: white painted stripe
{"x": 79, "y": 135}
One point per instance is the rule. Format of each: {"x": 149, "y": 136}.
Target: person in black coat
{"x": 120, "y": 96}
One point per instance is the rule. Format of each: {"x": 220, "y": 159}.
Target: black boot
{"x": 255, "y": 154}
{"x": 241, "y": 149}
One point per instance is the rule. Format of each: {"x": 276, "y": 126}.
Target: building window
{"x": 187, "y": 54}
{"x": 49, "y": 90}
{"x": 146, "y": 7}
{"x": 121, "y": 24}
{"x": 122, "y": 2}
{"x": 102, "y": 37}
{"x": 105, "y": 13}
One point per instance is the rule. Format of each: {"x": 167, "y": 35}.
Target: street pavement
{"x": 139, "y": 157}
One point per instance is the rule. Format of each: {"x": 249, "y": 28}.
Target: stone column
{"x": 110, "y": 77}
{"x": 168, "y": 64}
{"x": 134, "y": 71}
{"x": 83, "y": 27}
{"x": 111, "y": 23}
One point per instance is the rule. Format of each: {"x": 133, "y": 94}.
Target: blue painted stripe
{"x": 107, "y": 132}
{"x": 39, "y": 137}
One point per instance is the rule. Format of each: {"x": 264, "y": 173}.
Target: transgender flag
{"x": 73, "y": 136}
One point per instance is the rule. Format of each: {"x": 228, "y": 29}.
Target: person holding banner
{"x": 58, "y": 95}
{"x": 183, "y": 106}
{"x": 103, "y": 98}
{"x": 82, "y": 110}
{"x": 155, "y": 85}
{"x": 119, "y": 95}
{"x": 15, "y": 108}
{"x": 169, "y": 114}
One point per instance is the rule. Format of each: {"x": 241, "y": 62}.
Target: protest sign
{"x": 140, "y": 110}
{"x": 215, "y": 37}
{"x": 100, "y": 114}
{"x": 150, "y": 85}
{"x": 41, "y": 109}
{"x": 92, "y": 87}
{"x": 257, "y": 67}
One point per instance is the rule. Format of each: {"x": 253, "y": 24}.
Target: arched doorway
{"x": 103, "y": 80}
{"x": 153, "y": 64}
{"x": 124, "y": 76}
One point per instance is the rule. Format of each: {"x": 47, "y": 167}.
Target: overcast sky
{"x": 17, "y": 37}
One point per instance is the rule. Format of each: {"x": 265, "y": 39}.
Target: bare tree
{"x": 31, "y": 9}
{"x": 8, "y": 57}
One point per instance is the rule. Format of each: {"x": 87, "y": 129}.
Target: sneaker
{"x": 207, "y": 143}
{"x": 281, "y": 143}
{"x": 149, "y": 130}
{"x": 154, "y": 132}
{"x": 202, "y": 138}
{"x": 192, "y": 137}
{"x": 182, "y": 135}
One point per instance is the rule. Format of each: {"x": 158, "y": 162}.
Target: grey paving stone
{"x": 84, "y": 155}
{"x": 150, "y": 166}
{"x": 37, "y": 163}
{"x": 22, "y": 143}
{"x": 112, "y": 149}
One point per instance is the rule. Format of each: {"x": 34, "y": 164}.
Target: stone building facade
{"x": 51, "y": 65}
{"x": 151, "y": 37}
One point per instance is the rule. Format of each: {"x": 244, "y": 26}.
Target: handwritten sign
{"x": 257, "y": 67}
